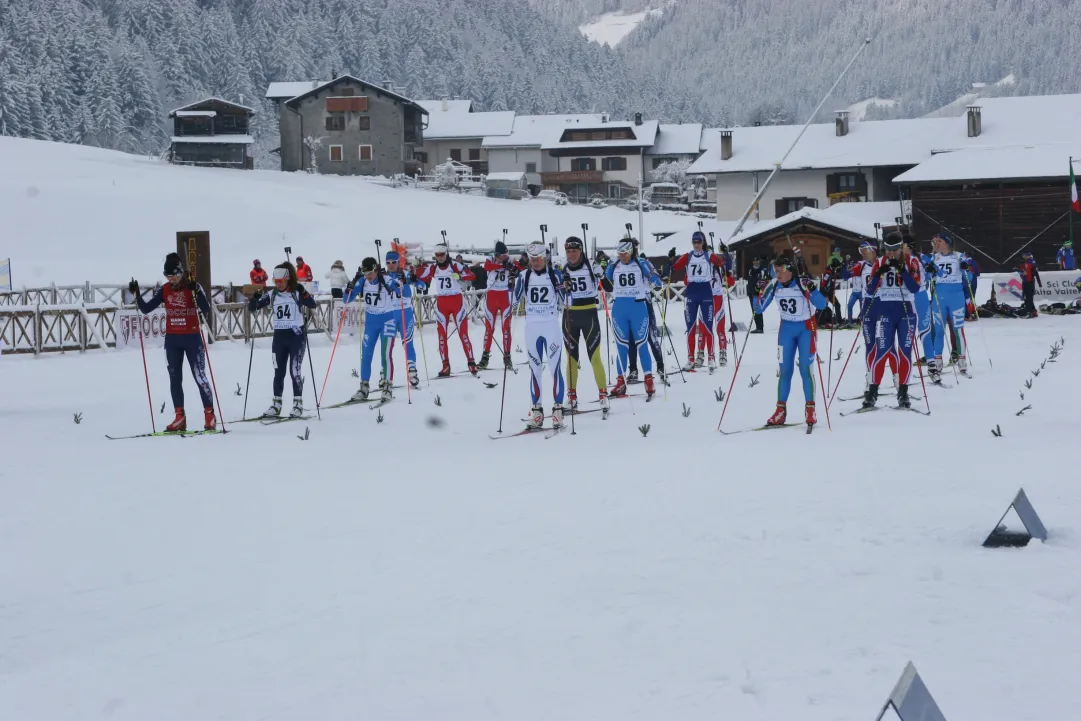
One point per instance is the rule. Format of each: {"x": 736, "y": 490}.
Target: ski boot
{"x": 690, "y": 365}
{"x": 903, "y": 401}
{"x": 934, "y": 370}
{"x": 384, "y": 384}
{"x": 472, "y": 367}
{"x": 780, "y": 415}
{"x": 386, "y": 394}
{"x": 606, "y": 405}
{"x": 362, "y": 394}
{"x": 536, "y": 417}
{"x": 650, "y": 389}
{"x": 700, "y": 359}
{"x": 632, "y": 377}
{"x": 507, "y": 362}
{"x": 179, "y": 424}
{"x": 446, "y": 370}
{"x": 809, "y": 413}
{"x": 962, "y": 366}
{"x": 209, "y": 421}
{"x": 871, "y": 396}
{"x": 557, "y": 416}
{"x": 713, "y": 364}
{"x": 484, "y": 357}
{"x": 722, "y": 357}
{"x": 619, "y": 389}
{"x": 572, "y": 399}
{"x": 275, "y": 409}
{"x": 298, "y": 408}
{"x": 414, "y": 378}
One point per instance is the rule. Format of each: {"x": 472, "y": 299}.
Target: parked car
{"x": 553, "y": 195}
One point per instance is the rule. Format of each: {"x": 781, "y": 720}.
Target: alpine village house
{"x": 212, "y": 132}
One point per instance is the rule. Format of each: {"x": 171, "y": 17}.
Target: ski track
{"x": 401, "y": 571}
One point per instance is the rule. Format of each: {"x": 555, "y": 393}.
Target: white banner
{"x": 5, "y": 274}
{"x": 128, "y": 323}
{"x": 1059, "y": 286}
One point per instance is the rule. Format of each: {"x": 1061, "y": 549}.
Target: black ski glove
{"x": 964, "y": 265}
{"x": 881, "y": 271}
{"x": 133, "y": 287}
{"x": 672, "y": 253}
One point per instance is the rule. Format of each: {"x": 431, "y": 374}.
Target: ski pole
{"x": 923, "y": 385}
{"x": 417, "y": 307}
{"x": 311, "y": 367}
{"x": 977, "y": 321}
{"x": 829, "y": 372}
{"x": 727, "y": 290}
{"x": 341, "y": 322}
{"x": 146, "y": 375}
{"x": 247, "y": 383}
{"x": 735, "y": 372}
{"x": 206, "y": 351}
{"x": 405, "y": 344}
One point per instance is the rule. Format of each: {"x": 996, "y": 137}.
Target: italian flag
{"x": 1074, "y": 202}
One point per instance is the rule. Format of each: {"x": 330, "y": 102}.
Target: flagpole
{"x": 1073, "y": 184}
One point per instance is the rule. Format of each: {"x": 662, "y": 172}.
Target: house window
{"x": 336, "y": 153}
{"x": 364, "y": 122}
{"x": 846, "y": 181}
{"x": 794, "y": 204}
{"x": 366, "y": 153}
{"x": 614, "y": 164}
{"x": 530, "y": 167}
{"x": 474, "y": 153}
{"x": 615, "y": 190}
{"x": 456, "y": 155}
{"x": 336, "y": 122}
{"x": 346, "y": 92}
{"x": 583, "y": 164}
{"x": 420, "y": 157}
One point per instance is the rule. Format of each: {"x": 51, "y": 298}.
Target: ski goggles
{"x": 536, "y": 250}
{"x": 625, "y": 246}
{"x": 281, "y": 274}
{"x": 572, "y": 244}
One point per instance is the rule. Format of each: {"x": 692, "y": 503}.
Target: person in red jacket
{"x": 258, "y": 274}
{"x": 1030, "y": 276}
{"x": 304, "y": 271}
{"x": 442, "y": 277}
{"x": 497, "y": 302}
{"x": 183, "y": 299}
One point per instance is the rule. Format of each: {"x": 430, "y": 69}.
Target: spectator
{"x": 258, "y": 275}
{"x": 1065, "y": 256}
{"x": 461, "y": 281}
{"x": 481, "y": 283}
{"x": 337, "y": 278}
{"x": 1030, "y": 276}
{"x": 757, "y": 279}
{"x": 304, "y": 271}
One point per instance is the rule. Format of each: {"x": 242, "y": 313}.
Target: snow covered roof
{"x": 884, "y": 213}
{"x": 1014, "y": 121}
{"x": 839, "y": 221}
{"x": 644, "y": 136}
{"x": 291, "y": 89}
{"x": 1021, "y": 161}
{"x": 194, "y": 113}
{"x": 678, "y": 139}
{"x": 511, "y": 176}
{"x": 204, "y": 101}
{"x": 868, "y": 144}
{"x": 215, "y": 139}
{"x": 454, "y": 124}
{"x": 532, "y": 131}
{"x": 351, "y": 79}
{"x": 453, "y": 106}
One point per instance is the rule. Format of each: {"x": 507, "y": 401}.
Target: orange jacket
{"x": 304, "y": 273}
{"x": 259, "y": 276}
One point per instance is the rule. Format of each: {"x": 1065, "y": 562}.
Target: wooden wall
{"x": 997, "y": 219}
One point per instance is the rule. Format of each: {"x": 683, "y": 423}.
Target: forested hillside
{"x": 106, "y": 72}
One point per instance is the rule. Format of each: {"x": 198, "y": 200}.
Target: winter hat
{"x": 173, "y": 265}
{"x": 393, "y": 257}
{"x": 573, "y": 243}
{"x": 256, "y": 262}
{"x": 500, "y": 247}
{"x": 698, "y": 236}
{"x": 337, "y": 264}
{"x": 368, "y": 265}
{"x": 440, "y": 248}
{"x": 536, "y": 250}
{"x": 866, "y": 245}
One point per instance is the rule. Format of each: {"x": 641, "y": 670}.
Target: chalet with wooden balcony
{"x": 348, "y": 126}
{"x": 604, "y": 158}
{"x": 212, "y": 132}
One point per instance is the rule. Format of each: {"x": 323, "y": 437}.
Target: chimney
{"x": 726, "y": 145}
{"x": 604, "y": 117}
{"x": 388, "y": 85}
{"x": 444, "y": 98}
{"x": 637, "y": 118}
{"x": 975, "y": 121}
{"x": 842, "y": 123}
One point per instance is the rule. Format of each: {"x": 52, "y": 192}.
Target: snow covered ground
{"x": 416, "y": 569}
{"x": 404, "y": 570}
{"x": 77, "y": 214}
{"x": 610, "y": 28}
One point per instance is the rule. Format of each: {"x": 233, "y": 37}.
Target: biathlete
{"x": 582, "y": 320}
{"x": 183, "y": 299}
{"x": 631, "y": 278}
{"x": 287, "y": 301}
{"x": 442, "y": 277}
{"x": 542, "y": 287}
{"x": 701, "y": 265}
{"x": 797, "y": 300}
{"x": 379, "y": 294}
